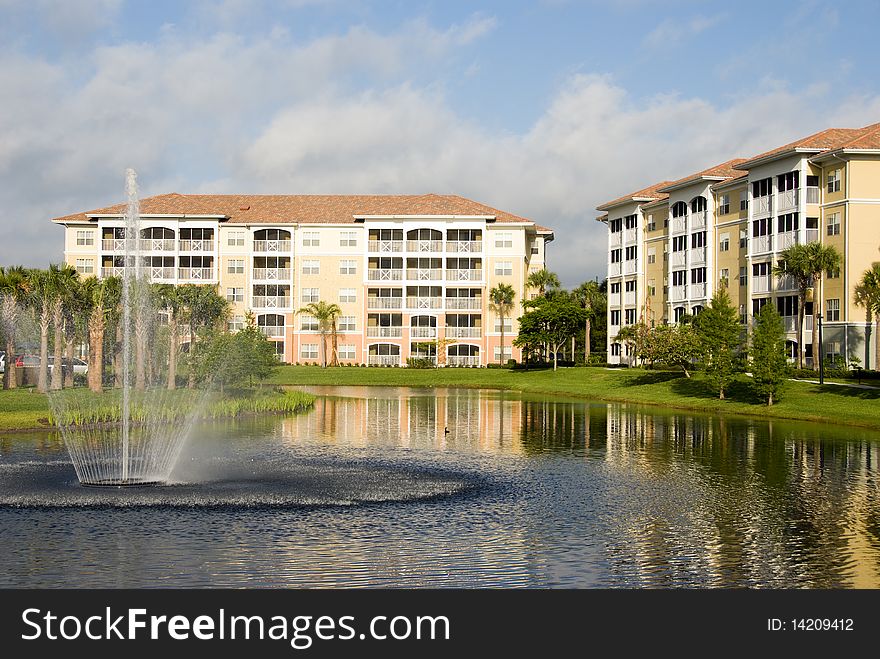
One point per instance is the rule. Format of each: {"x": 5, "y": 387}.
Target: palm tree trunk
{"x": 555, "y": 352}
{"x": 96, "y": 350}
{"x": 43, "y": 370}
{"x": 334, "y": 360}
{"x": 172, "y": 354}
{"x": 9, "y": 374}
{"x": 58, "y": 348}
{"x": 191, "y": 378}
{"x": 68, "y": 358}
{"x": 117, "y": 355}
{"x": 800, "y": 327}
{"x": 140, "y": 345}
{"x": 501, "y": 352}
{"x": 876, "y": 343}
{"x": 587, "y": 329}
{"x": 817, "y": 302}
{"x": 323, "y": 348}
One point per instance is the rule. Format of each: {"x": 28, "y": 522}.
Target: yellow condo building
{"x": 672, "y": 244}
{"x": 411, "y": 273}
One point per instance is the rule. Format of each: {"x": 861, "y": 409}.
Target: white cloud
{"x": 672, "y": 31}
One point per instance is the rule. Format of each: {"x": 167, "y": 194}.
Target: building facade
{"x": 411, "y": 274}
{"x": 672, "y": 244}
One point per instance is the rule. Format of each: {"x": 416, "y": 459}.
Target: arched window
{"x": 679, "y": 209}
{"x": 698, "y": 204}
{"x": 678, "y": 313}
{"x": 696, "y": 309}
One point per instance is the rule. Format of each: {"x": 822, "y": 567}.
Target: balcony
{"x": 460, "y": 274}
{"x": 678, "y": 293}
{"x": 698, "y": 220}
{"x": 464, "y": 303}
{"x": 272, "y": 246}
{"x": 631, "y": 267}
{"x": 630, "y": 235}
{"x": 113, "y": 245}
{"x": 272, "y": 331}
{"x": 464, "y": 246}
{"x": 272, "y": 274}
{"x": 423, "y": 332}
{"x": 196, "y": 245}
{"x": 389, "y": 332}
{"x": 678, "y": 259}
{"x": 629, "y": 298}
{"x": 786, "y": 239}
{"x": 698, "y": 256}
{"x": 384, "y": 302}
{"x": 812, "y": 195}
{"x": 424, "y": 274}
{"x": 379, "y": 274}
{"x": 760, "y": 244}
{"x": 160, "y": 273}
{"x": 196, "y": 274}
{"x": 614, "y": 269}
{"x": 157, "y": 244}
{"x": 615, "y": 239}
{"x": 384, "y": 246}
{"x": 786, "y": 283}
{"x": 463, "y": 360}
{"x": 383, "y": 360}
{"x": 762, "y": 206}
{"x": 761, "y": 284}
{"x": 790, "y": 323}
{"x": 424, "y": 245}
{"x": 424, "y": 302}
{"x": 787, "y": 200}
{"x": 679, "y": 224}
{"x": 270, "y": 301}
{"x": 614, "y": 299}
{"x": 812, "y": 235}
{"x": 464, "y": 332}
{"x": 698, "y": 291}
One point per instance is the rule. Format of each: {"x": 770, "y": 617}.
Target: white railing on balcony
{"x": 414, "y": 302}
{"x": 384, "y": 302}
{"x": 786, "y": 283}
{"x": 464, "y": 332}
{"x": 272, "y": 274}
{"x": 698, "y": 256}
{"x": 461, "y": 274}
{"x": 424, "y": 245}
{"x": 614, "y": 269}
{"x": 272, "y": 330}
{"x": 761, "y": 205}
{"x": 463, "y": 360}
{"x": 157, "y": 244}
{"x": 812, "y": 195}
{"x": 466, "y": 246}
{"x": 384, "y": 246}
{"x": 761, "y": 284}
{"x": 196, "y": 274}
{"x": 679, "y": 224}
{"x": 631, "y": 267}
{"x": 270, "y": 301}
{"x": 786, "y": 239}
{"x": 113, "y": 245}
{"x": 160, "y": 273}
{"x": 464, "y": 303}
{"x": 808, "y": 323}
{"x": 760, "y": 244}
{"x": 698, "y": 220}
{"x": 424, "y": 274}
{"x": 273, "y": 246}
{"x": 698, "y": 290}
{"x": 380, "y": 274}
{"x": 629, "y": 298}
{"x": 790, "y": 323}
{"x": 383, "y": 360}
{"x": 423, "y": 332}
{"x": 388, "y": 332}
{"x": 678, "y": 293}
{"x": 113, "y": 271}
{"x": 678, "y": 258}
{"x": 614, "y": 299}
{"x": 615, "y": 239}
{"x": 812, "y": 235}
{"x": 630, "y": 235}
{"x": 196, "y": 245}
{"x": 786, "y": 200}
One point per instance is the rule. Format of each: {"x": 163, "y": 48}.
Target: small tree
{"x": 551, "y": 320}
{"x": 868, "y": 296}
{"x": 673, "y": 345}
{"x": 769, "y": 361}
{"x": 718, "y": 332}
{"x": 501, "y": 299}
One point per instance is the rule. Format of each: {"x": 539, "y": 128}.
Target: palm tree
{"x": 501, "y": 301}
{"x": 12, "y": 291}
{"x": 102, "y": 296}
{"x": 326, "y": 315}
{"x": 591, "y": 298}
{"x": 169, "y": 298}
{"x": 820, "y": 258}
{"x": 542, "y": 280}
{"x": 62, "y": 282}
{"x": 38, "y": 286}
{"x": 76, "y": 311}
{"x": 867, "y": 296}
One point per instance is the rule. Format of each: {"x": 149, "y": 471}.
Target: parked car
{"x": 2, "y": 361}
{"x": 33, "y": 361}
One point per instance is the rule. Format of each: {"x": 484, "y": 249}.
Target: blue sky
{"x": 544, "y": 108}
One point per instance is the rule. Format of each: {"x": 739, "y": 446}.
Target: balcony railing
{"x": 631, "y": 267}
{"x": 424, "y": 245}
{"x": 424, "y": 274}
{"x": 270, "y": 301}
{"x": 630, "y": 235}
{"x": 614, "y": 269}
{"x": 464, "y": 332}
{"x": 463, "y": 360}
{"x": 786, "y": 200}
{"x": 464, "y": 275}
{"x": 698, "y": 220}
{"x": 679, "y": 224}
{"x": 160, "y": 273}
{"x": 678, "y": 258}
{"x": 424, "y": 302}
{"x": 272, "y": 274}
{"x": 761, "y": 284}
{"x": 629, "y": 298}
{"x": 196, "y": 245}
{"x": 383, "y": 360}
{"x": 464, "y": 303}
{"x": 113, "y": 245}
{"x": 812, "y": 195}
{"x": 423, "y": 332}
{"x": 812, "y": 235}
{"x": 786, "y": 239}
{"x": 272, "y": 330}
{"x": 615, "y": 239}
{"x": 698, "y": 256}
{"x": 678, "y": 293}
{"x": 389, "y": 332}
{"x": 464, "y": 246}
{"x": 379, "y": 274}
{"x": 384, "y": 302}
{"x": 272, "y": 246}
{"x": 614, "y": 299}
{"x": 113, "y": 271}
{"x": 157, "y": 244}
{"x": 760, "y": 244}
{"x": 196, "y": 274}
{"x": 790, "y": 323}
{"x": 786, "y": 283}
{"x": 762, "y": 206}
{"x": 698, "y": 290}
{"x": 808, "y": 323}
{"x": 381, "y": 246}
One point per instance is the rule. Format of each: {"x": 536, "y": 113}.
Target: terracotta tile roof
{"x": 868, "y": 139}
{"x": 651, "y": 192}
{"x": 740, "y": 177}
{"x": 824, "y": 140}
{"x": 306, "y": 209}
{"x": 724, "y": 170}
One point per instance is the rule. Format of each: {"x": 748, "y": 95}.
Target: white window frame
{"x": 308, "y": 350}
{"x": 308, "y": 323}
{"x": 85, "y": 237}
{"x": 347, "y": 351}
{"x": 833, "y": 224}
{"x": 504, "y": 240}
{"x": 348, "y": 239}
{"x": 348, "y": 295}
{"x": 235, "y": 267}
{"x": 311, "y": 267}
{"x": 235, "y": 239}
{"x": 234, "y": 294}
{"x": 504, "y": 268}
{"x": 348, "y": 267}
{"x": 311, "y": 295}
{"x": 311, "y": 238}
{"x": 85, "y": 266}
{"x": 346, "y": 324}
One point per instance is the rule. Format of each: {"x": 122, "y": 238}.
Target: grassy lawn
{"x": 23, "y": 408}
{"x": 802, "y": 401}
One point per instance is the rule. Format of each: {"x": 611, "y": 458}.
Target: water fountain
{"x": 142, "y": 443}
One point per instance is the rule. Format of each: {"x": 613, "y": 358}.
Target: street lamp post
{"x": 821, "y": 351}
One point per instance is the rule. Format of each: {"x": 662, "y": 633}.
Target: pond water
{"x": 460, "y": 488}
